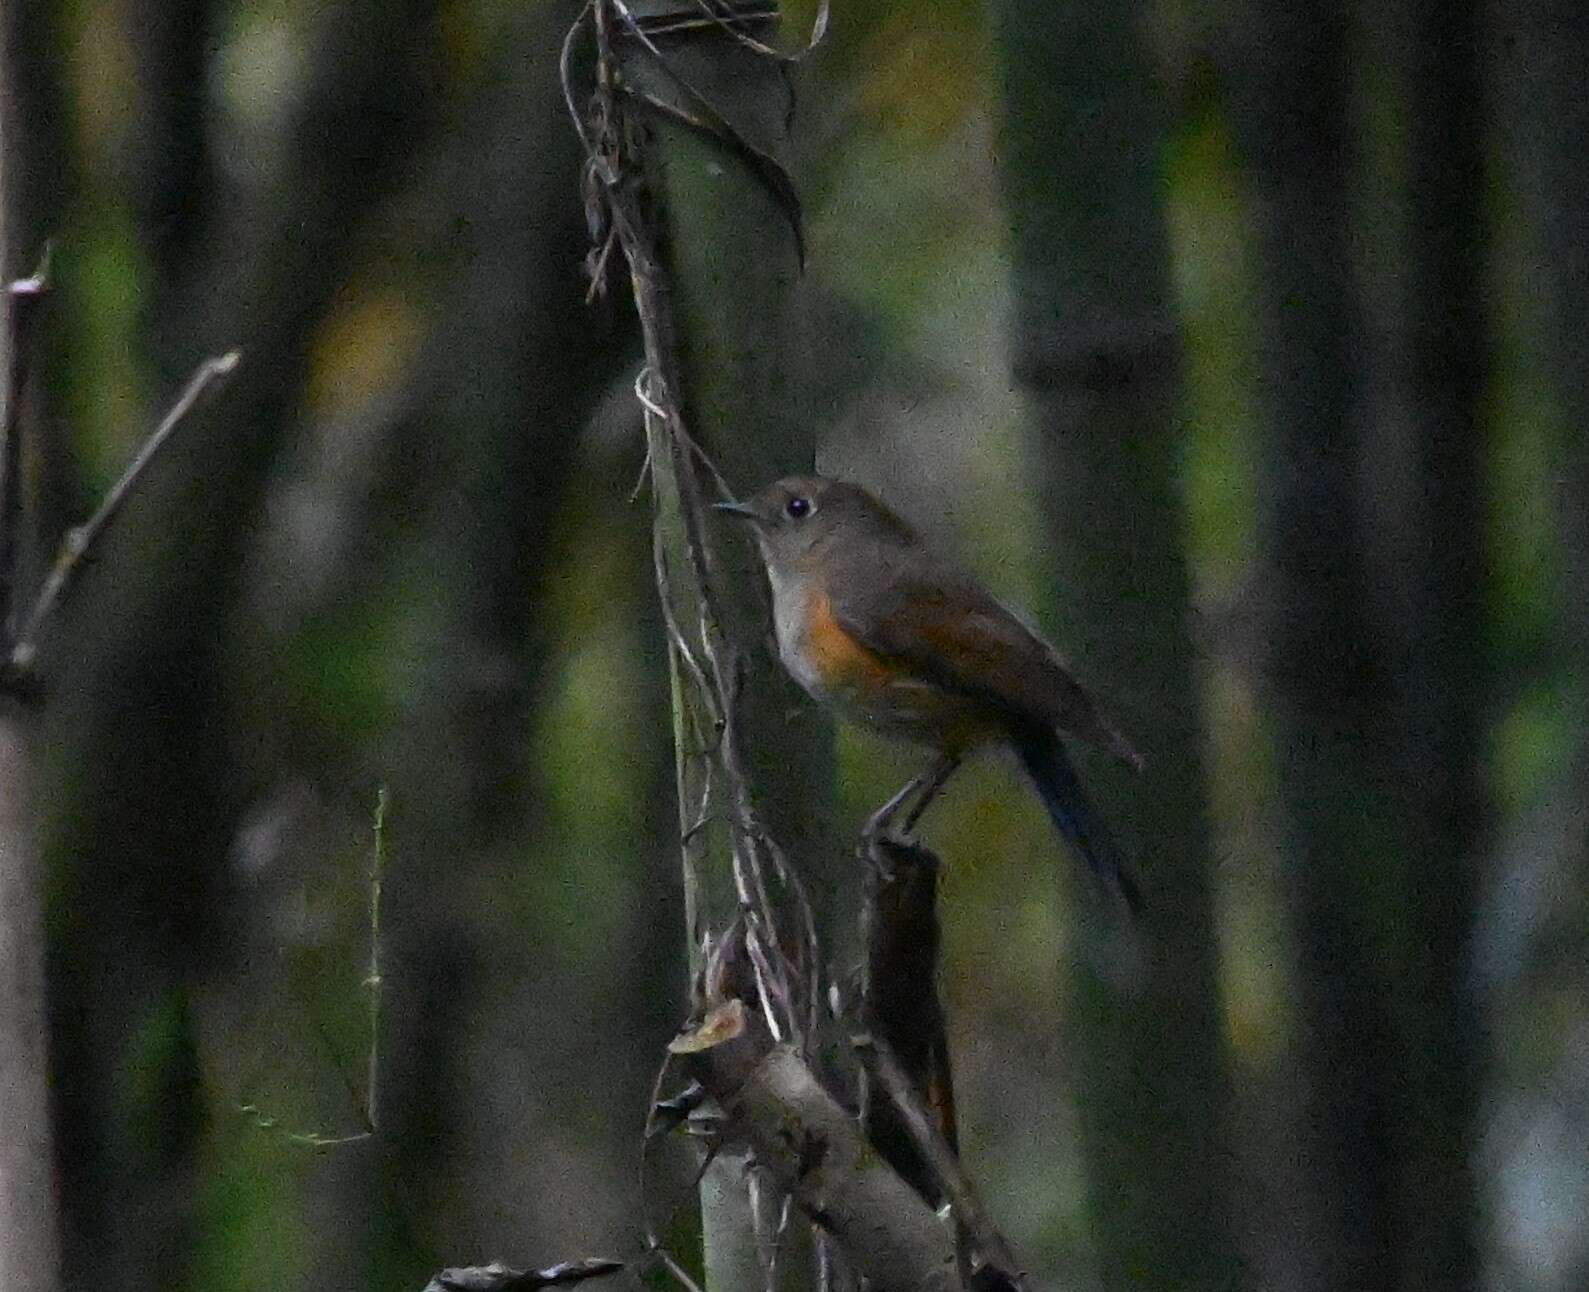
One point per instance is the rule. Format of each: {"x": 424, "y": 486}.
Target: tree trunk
{"x": 1097, "y": 352}
{"x": 170, "y": 174}
{"x": 734, "y": 269}
{"x": 1545, "y": 47}
{"x": 1378, "y": 672}
{"x": 1549, "y": 115}
{"x": 1323, "y": 674}
{"x": 1292, "y": 123}
{"x": 1425, "y": 522}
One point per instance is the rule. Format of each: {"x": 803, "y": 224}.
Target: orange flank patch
{"x": 838, "y": 658}
{"x": 884, "y": 693}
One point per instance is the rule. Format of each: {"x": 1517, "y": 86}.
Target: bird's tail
{"x": 1072, "y": 811}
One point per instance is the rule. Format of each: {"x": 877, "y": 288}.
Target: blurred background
{"x": 1244, "y": 345}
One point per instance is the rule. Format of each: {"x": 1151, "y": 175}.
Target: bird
{"x": 874, "y": 624}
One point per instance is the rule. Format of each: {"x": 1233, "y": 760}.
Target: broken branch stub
{"x": 814, "y": 1149}
{"x": 900, "y": 1005}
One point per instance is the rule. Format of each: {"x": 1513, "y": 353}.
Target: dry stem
{"x": 80, "y": 540}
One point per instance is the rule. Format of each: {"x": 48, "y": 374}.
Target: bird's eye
{"x": 798, "y": 507}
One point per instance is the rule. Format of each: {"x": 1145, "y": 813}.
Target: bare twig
{"x": 668, "y": 1114}
{"x": 364, "y": 1102}
{"x": 884, "y": 1067}
{"x": 768, "y": 980}
{"x": 712, "y": 662}
{"x": 734, "y": 19}
{"x": 706, "y": 120}
{"x": 373, "y": 980}
{"x": 497, "y": 1277}
{"x": 744, "y": 16}
{"x": 676, "y": 639}
{"x": 710, "y": 125}
{"x": 22, "y": 298}
{"x": 80, "y": 540}
{"x": 655, "y": 1118}
{"x": 771, "y": 1209}
{"x": 725, "y": 493}
{"x": 663, "y": 1115}
{"x": 680, "y": 1275}
{"x": 566, "y": 74}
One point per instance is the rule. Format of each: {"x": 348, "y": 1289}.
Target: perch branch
{"x": 899, "y": 1000}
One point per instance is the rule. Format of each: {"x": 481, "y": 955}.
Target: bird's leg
{"x": 927, "y": 784}
{"x": 877, "y": 823}
{"x": 937, "y": 776}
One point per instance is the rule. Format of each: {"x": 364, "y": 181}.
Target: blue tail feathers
{"x": 1073, "y": 813}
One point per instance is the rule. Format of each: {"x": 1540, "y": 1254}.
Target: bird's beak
{"x": 743, "y": 510}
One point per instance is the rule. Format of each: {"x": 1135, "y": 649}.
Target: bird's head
{"x": 796, "y": 516}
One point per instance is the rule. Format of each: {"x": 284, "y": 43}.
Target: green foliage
{"x": 341, "y": 673}
{"x": 1206, "y": 224}
{"x": 254, "y": 1233}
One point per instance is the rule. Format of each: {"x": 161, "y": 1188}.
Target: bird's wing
{"x": 944, "y": 628}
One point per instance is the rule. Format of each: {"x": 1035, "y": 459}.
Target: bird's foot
{"x": 878, "y": 833}
{"x": 886, "y": 854}
{"x": 877, "y": 825}
{"x": 886, "y": 838}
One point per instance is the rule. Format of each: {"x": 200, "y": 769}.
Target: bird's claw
{"x": 884, "y": 837}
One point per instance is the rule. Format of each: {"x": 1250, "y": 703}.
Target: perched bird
{"x": 870, "y": 621}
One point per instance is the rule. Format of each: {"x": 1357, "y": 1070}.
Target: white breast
{"x": 789, "y": 604}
